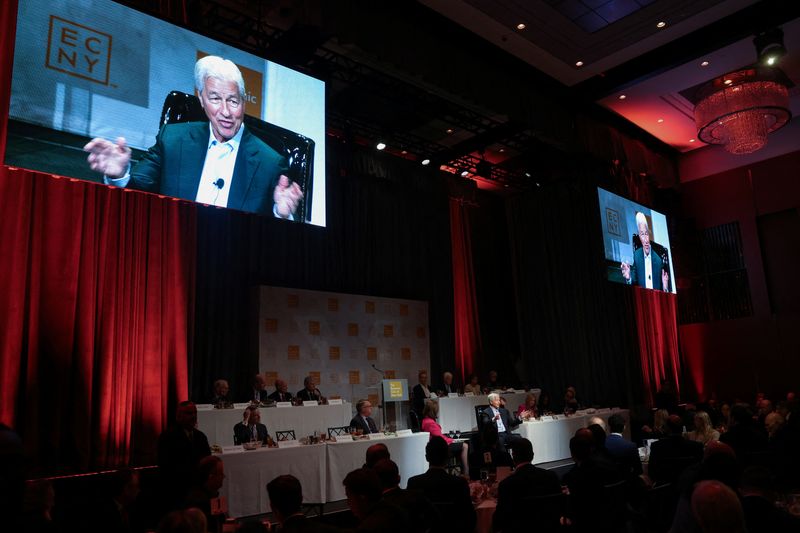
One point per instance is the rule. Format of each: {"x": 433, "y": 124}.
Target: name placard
{"x": 288, "y": 443}
{"x": 404, "y": 432}
{"x": 469, "y": 394}
{"x": 453, "y": 395}
{"x": 204, "y": 407}
{"x": 310, "y": 403}
{"x": 283, "y": 404}
{"x": 244, "y": 405}
{"x": 336, "y": 401}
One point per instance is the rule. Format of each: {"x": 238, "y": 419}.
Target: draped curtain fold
{"x": 657, "y": 329}
{"x": 96, "y": 312}
{"x": 465, "y": 315}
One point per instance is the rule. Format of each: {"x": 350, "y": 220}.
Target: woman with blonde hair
{"x": 703, "y": 432}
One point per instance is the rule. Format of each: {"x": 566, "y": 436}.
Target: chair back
{"x": 284, "y": 435}
{"x": 413, "y": 421}
{"x": 478, "y": 410}
{"x": 297, "y": 149}
{"x": 338, "y": 431}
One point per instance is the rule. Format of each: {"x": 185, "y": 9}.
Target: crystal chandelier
{"x": 739, "y": 109}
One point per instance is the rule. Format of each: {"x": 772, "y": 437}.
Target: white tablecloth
{"x": 550, "y": 438}
{"x": 458, "y": 414}
{"x": 248, "y": 472}
{"x": 407, "y": 451}
{"x": 218, "y": 424}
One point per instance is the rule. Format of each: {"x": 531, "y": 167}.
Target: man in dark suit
{"x": 447, "y": 386}
{"x": 180, "y": 448}
{"x": 363, "y": 489}
{"x": 250, "y": 429}
{"x": 502, "y": 418}
{"x": 285, "y": 499}
{"x": 526, "y": 482}
{"x": 310, "y": 392}
{"x": 448, "y": 494}
{"x": 258, "y": 391}
{"x": 363, "y": 419}
{"x": 648, "y": 268}
{"x": 219, "y": 163}
{"x": 672, "y": 454}
{"x": 422, "y": 515}
{"x": 420, "y": 393}
{"x": 622, "y": 451}
{"x": 281, "y": 393}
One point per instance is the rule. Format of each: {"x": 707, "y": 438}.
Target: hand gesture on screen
{"x": 109, "y": 158}
{"x": 626, "y": 271}
{"x": 665, "y": 280}
{"x": 287, "y": 196}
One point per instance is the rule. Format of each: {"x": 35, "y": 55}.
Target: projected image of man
{"x": 219, "y": 163}
{"x": 648, "y": 268}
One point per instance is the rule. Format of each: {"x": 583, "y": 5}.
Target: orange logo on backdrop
{"x": 292, "y": 300}
{"x": 335, "y": 353}
{"x": 355, "y": 377}
{"x": 405, "y": 354}
{"x": 270, "y": 376}
{"x": 294, "y": 352}
{"x": 253, "y": 88}
{"x": 352, "y": 329}
{"x": 316, "y": 376}
{"x": 313, "y": 327}
{"x": 388, "y": 330}
{"x": 403, "y": 309}
{"x": 270, "y": 325}
{"x": 372, "y": 353}
{"x": 369, "y": 307}
{"x": 333, "y": 304}
{"x": 421, "y": 332}
{"x": 78, "y": 50}
{"x": 390, "y": 374}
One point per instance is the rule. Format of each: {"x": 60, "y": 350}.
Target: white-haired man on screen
{"x": 219, "y": 163}
{"x": 648, "y": 268}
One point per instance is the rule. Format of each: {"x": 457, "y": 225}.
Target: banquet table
{"x": 248, "y": 472}
{"x": 550, "y": 436}
{"x": 218, "y": 424}
{"x": 458, "y": 414}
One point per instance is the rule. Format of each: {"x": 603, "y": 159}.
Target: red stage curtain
{"x": 465, "y": 316}
{"x": 95, "y": 311}
{"x": 657, "y": 327}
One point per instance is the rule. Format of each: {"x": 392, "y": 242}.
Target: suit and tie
{"x": 174, "y": 164}
{"x": 279, "y": 396}
{"x": 526, "y": 482}
{"x": 245, "y": 433}
{"x": 449, "y": 495}
{"x": 639, "y": 271}
{"x": 624, "y": 453}
{"x": 365, "y": 423}
{"x": 504, "y": 435}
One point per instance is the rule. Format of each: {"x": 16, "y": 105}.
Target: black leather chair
{"x": 284, "y": 435}
{"x": 338, "y": 431}
{"x": 297, "y": 149}
{"x": 478, "y": 410}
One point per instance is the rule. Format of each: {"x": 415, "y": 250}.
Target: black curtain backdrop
{"x": 577, "y": 328}
{"x": 387, "y": 234}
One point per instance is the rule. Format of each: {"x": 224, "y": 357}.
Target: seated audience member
{"x": 207, "y": 481}
{"x": 421, "y": 514}
{"x": 310, "y": 392}
{"x": 250, "y": 429}
{"x": 528, "y": 409}
{"x": 758, "y": 502}
{"x": 375, "y": 453}
{"x": 258, "y": 390}
{"x": 186, "y": 521}
{"x": 724, "y": 418}
{"x": 571, "y": 403}
{"x": 586, "y": 481}
{"x": 764, "y": 408}
{"x": 430, "y": 425}
{"x": 717, "y": 509}
{"x": 659, "y": 428}
{"x": 473, "y": 386}
{"x": 703, "y": 431}
{"x": 449, "y": 494}
{"x": 37, "y": 510}
{"x": 744, "y": 435}
{"x": 363, "y": 489}
{"x": 492, "y": 382}
{"x": 774, "y": 424}
{"x": 488, "y": 455}
{"x": 499, "y": 416}
{"x": 180, "y": 448}
{"x": 420, "y": 393}
{"x": 114, "y": 512}
{"x": 597, "y": 421}
{"x": 545, "y": 405}
{"x": 281, "y": 393}
{"x": 527, "y": 481}
{"x": 670, "y": 455}
{"x": 221, "y": 398}
{"x": 622, "y": 451}
{"x": 285, "y": 500}
{"x": 363, "y": 420}
{"x": 447, "y": 386}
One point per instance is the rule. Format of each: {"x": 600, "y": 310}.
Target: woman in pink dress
{"x": 429, "y": 415}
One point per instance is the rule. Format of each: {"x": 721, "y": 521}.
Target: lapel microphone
{"x": 219, "y": 184}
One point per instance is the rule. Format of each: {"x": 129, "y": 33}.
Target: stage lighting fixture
{"x": 380, "y": 146}
{"x": 426, "y": 162}
{"x": 769, "y": 46}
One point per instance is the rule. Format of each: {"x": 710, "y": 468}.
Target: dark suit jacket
{"x": 666, "y": 455}
{"x": 442, "y": 388}
{"x": 527, "y": 481}
{"x": 624, "y": 453}
{"x": 509, "y": 421}
{"x": 307, "y": 396}
{"x": 418, "y": 398}
{"x": 277, "y": 396}
{"x": 421, "y": 514}
{"x": 243, "y": 433}
{"x": 263, "y": 395}
{"x": 385, "y": 518}
{"x": 449, "y": 495}
{"x": 174, "y": 164}
{"x": 638, "y": 274}
{"x": 358, "y": 423}
{"x": 178, "y": 455}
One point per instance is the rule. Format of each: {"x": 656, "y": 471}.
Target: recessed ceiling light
{"x": 527, "y": 174}
{"x": 579, "y": 64}
{"x": 426, "y": 162}
{"x": 728, "y": 82}
{"x": 464, "y": 174}
{"x": 404, "y": 152}
{"x": 661, "y": 24}
{"x": 380, "y": 146}
{"x": 502, "y": 150}
{"x": 660, "y": 120}
{"x": 622, "y": 97}
{"x": 691, "y": 140}
{"x": 771, "y": 60}
{"x": 704, "y": 64}
{"x": 449, "y": 130}
{"x": 521, "y": 26}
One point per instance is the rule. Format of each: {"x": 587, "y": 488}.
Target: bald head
{"x": 717, "y": 509}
